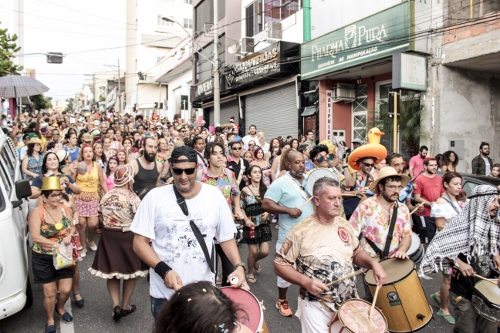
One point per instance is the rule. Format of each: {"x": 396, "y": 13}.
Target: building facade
{"x": 149, "y": 37}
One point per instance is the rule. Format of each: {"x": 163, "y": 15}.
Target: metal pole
{"x": 119, "y": 89}
{"x": 216, "y": 67}
{"x": 395, "y": 122}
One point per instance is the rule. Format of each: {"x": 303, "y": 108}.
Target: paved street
{"x": 95, "y": 316}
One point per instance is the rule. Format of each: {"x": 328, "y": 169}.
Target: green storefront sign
{"x": 371, "y": 38}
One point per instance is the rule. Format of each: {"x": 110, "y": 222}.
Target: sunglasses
{"x": 236, "y": 148}
{"x": 179, "y": 171}
{"x": 368, "y": 165}
{"x": 321, "y": 158}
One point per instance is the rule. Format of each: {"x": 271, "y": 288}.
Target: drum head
{"x": 395, "y": 269}
{"x": 354, "y": 314}
{"x": 249, "y": 310}
{"x": 489, "y": 290}
{"x": 415, "y": 244}
{"x": 317, "y": 174}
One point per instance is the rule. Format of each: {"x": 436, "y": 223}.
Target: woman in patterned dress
{"x": 87, "y": 202}
{"x": 256, "y": 231}
{"x": 115, "y": 259}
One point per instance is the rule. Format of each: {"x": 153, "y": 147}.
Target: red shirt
{"x": 430, "y": 189}
{"x": 417, "y": 162}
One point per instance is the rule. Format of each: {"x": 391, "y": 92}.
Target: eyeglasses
{"x": 321, "y": 158}
{"x": 394, "y": 187}
{"x": 55, "y": 195}
{"x": 368, "y": 165}
{"x": 179, "y": 171}
{"x": 236, "y": 148}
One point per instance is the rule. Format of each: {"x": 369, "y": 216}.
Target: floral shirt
{"x": 53, "y": 232}
{"x": 369, "y": 220}
{"x": 222, "y": 182}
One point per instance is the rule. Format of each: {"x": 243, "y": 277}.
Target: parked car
{"x": 470, "y": 181}
{"x": 15, "y": 287}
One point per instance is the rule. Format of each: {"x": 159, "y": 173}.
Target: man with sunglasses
{"x": 362, "y": 180}
{"x": 175, "y": 256}
{"x": 237, "y": 164}
{"x": 321, "y": 159}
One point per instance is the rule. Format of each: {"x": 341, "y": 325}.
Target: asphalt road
{"x": 95, "y": 316}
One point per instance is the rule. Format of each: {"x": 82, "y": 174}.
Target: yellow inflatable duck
{"x": 372, "y": 149}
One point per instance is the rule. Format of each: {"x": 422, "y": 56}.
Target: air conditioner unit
{"x": 273, "y": 30}
{"x": 247, "y": 45}
{"x": 344, "y": 92}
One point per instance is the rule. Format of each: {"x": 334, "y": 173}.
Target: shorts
{"x": 426, "y": 228}
{"x": 44, "y": 270}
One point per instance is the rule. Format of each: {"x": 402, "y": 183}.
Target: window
{"x": 165, "y": 23}
{"x": 188, "y": 23}
{"x": 189, "y": 2}
{"x": 359, "y": 112}
{"x": 253, "y": 18}
{"x": 277, "y": 10}
{"x": 204, "y": 13}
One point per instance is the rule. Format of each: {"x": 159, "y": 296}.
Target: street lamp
{"x": 215, "y": 62}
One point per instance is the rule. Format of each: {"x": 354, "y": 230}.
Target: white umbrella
{"x": 13, "y": 86}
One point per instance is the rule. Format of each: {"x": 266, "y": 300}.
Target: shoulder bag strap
{"x": 451, "y": 203}
{"x": 375, "y": 248}
{"x": 197, "y": 233}
{"x": 390, "y": 234}
{"x": 297, "y": 187}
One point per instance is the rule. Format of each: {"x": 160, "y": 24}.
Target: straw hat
{"x": 51, "y": 183}
{"x": 123, "y": 175}
{"x": 87, "y": 137}
{"x": 34, "y": 140}
{"x": 386, "y": 172}
{"x": 62, "y": 155}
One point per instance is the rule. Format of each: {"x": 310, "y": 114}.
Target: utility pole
{"x": 216, "y": 66}
{"x": 119, "y": 89}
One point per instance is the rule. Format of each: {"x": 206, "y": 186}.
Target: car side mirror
{"x": 23, "y": 189}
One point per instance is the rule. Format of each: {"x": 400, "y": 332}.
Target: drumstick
{"x": 305, "y": 203}
{"x": 345, "y": 277}
{"x": 349, "y": 195}
{"x": 485, "y": 279}
{"x": 416, "y": 208}
{"x": 374, "y": 300}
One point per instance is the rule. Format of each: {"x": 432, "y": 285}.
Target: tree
{"x": 408, "y": 123}
{"x": 7, "y": 50}
{"x": 69, "y": 104}
{"x": 40, "y": 102}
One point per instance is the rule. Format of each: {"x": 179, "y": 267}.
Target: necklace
{"x": 71, "y": 151}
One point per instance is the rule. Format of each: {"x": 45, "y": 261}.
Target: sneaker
{"x": 283, "y": 308}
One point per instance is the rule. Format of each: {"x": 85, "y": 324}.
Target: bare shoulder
{"x": 441, "y": 201}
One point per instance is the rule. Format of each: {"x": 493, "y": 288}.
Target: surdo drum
{"x": 401, "y": 298}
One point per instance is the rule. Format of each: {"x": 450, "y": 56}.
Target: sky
{"x": 90, "y": 33}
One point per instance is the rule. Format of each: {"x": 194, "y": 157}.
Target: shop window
{"x": 277, "y": 10}
{"x": 253, "y": 18}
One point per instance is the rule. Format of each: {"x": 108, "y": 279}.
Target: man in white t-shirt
{"x": 261, "y": 141}
{"x": 252, "y": 135}
{"x": 175, "y": 256}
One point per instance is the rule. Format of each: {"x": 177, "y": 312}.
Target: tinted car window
{"x": 468, "y": 186}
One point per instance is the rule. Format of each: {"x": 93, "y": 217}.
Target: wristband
{"x": 162, "y": 269}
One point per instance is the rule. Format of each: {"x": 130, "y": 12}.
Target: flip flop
{"x": 66, "y": 317}
{"x": 449, "y": 319}
{"x": 252, "y": 280}
{"x": 436, "y": 299}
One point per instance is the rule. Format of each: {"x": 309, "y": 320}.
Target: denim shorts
{"x": 157, "y": 305}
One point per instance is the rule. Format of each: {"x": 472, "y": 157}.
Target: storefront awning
{"x": 308, "y": 111}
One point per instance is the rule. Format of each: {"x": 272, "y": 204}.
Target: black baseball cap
{"x": 186, "y": 151}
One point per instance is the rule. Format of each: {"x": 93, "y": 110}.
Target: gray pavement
{"x": 95, "y": 316}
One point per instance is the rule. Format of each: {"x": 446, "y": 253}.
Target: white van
{"x": 15, "y": 287}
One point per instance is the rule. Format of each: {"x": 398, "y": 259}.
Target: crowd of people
{"x": 173, "y": 197}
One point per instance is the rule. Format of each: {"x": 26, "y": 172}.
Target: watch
{"x": 241, "y": 264}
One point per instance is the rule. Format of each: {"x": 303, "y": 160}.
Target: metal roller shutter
{"x": 273, "y": 111}
{"x": 227, "y": 110}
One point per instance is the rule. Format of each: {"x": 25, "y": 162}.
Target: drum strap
{"x": 390, "y": 236}
{"x": 296, "y": 186}
{"x": 197, "y": 233}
